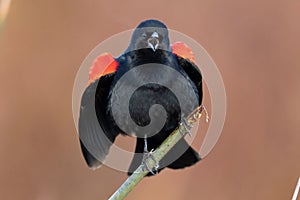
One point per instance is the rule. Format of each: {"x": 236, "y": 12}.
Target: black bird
{"x": 149, "y": 45}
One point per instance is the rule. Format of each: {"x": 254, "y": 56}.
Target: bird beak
{"x": 153, "y": 41}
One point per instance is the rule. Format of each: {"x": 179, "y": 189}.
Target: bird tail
{"x": 188, "y": 158}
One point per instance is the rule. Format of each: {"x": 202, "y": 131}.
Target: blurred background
{"x": 256, "y": 46}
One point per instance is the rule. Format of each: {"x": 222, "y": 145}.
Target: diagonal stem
{"x": 158, "y": 154}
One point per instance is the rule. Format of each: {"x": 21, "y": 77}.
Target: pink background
{"x": 256, "y": 46}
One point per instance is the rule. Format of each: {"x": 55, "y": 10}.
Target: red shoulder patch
{"x": 183, "y": 50}
{"x": 103, "y": 65}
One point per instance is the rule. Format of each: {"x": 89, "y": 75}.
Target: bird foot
{"x": 186, "y": 123}
{"x": 184, "y": 127}
{"x": 146, "y": 156}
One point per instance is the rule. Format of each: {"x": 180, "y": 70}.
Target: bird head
{"x": 151, "y": 34}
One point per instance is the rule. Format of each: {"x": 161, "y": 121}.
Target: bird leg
{"x": 148, "y": 154}
{"x": 186, "y": 126}
{"x": 186, "y": 123}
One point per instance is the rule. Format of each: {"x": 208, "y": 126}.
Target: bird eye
{"x": 144, "y": 35}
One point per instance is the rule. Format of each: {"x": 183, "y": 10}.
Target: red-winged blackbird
{"x": 149, "y": 45}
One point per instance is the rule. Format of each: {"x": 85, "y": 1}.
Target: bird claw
{"x": 146, "y": 156}
{"x": 186, "y": 123}
{"x": 186, "y": 126}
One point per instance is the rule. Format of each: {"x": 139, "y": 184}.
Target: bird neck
{"x": 144, "y": 56}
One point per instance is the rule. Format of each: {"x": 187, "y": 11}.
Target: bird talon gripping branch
{"x": 184, "y": 124}
{"x": 146, "y": 156}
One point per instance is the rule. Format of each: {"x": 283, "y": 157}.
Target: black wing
{"x": 194, "y": 74}
{"x": 96, "y": 131}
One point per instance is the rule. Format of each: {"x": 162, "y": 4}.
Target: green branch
{"x": 159, "y": 153}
